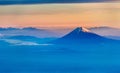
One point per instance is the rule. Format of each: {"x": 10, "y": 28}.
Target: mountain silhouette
{"x": 29, "y": 39}
{"x": 28, "y": 31}
{"x": 82, "y": 35}
{"x": 109, "y": 32}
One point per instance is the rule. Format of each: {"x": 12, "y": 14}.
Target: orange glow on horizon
{"x": 61, "y": 15}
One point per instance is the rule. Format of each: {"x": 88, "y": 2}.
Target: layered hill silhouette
{"x": 84, "y": 36}
{"x": 79, "y": 36}
{"x": 28, "y": 31}
{"x": 31, "y": 39}
{"x": 109, "y": 32}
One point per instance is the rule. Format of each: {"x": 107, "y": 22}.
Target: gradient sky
{"x": 60, "y": 15}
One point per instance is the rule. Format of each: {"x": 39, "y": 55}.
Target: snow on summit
{"x": 82, "y": 29}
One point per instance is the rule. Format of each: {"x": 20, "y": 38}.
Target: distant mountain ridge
{"x": 82, "y": 35}
{"x": 26, "y": 28}
{"x": 29, "y": 39}
{"x": 28, "y": 31}
{"x": 106, "y": 31}
{"x": 79, "y": 37}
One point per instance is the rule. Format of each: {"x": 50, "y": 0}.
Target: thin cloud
{"x": 51, "y": 9}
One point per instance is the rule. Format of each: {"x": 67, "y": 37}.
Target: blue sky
{"x": 7, "y": 2}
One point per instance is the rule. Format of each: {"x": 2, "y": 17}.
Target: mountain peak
{"x": 80, "y": 35}
{"x": 81, "y": 29}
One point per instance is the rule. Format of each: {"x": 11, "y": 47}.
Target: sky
{"x": 59, "y": 13}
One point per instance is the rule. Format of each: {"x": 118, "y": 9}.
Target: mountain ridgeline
{"x": 84, "y": 37}
{"x": 78, "y": 37}
{"x": 109, "y": 32}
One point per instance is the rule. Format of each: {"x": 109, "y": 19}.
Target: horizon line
{"x": 59, "y": 27}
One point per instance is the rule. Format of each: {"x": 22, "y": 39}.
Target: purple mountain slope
{"x": 81, "y": 35}
{"x": 109, "y": 32}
